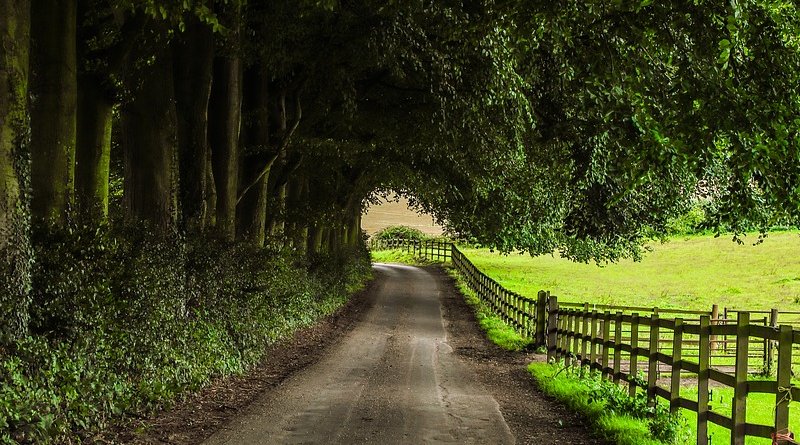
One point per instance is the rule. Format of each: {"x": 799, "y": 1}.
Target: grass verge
{"x": 398, "y": 256}
{"x": 613, "y": 415}
{"x": 496, "y": 330}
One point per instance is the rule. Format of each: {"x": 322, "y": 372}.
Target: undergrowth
{"x": 615, "y": 416}
{"x": 124, "y": 324}
{"x": 496, "y": 330}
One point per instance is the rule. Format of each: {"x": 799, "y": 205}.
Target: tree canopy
{"x": 539, "y": 126}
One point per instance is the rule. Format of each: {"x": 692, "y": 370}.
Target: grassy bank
{"x": 693, "y": 272}
{"x": 395, "y": 256}
{"x": 496, "y": 330}
{"x": 125, "y": 324}
{"x": 614, "y": 416}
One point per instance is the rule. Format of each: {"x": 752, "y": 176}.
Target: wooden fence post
{"x": 593, "y": 340}
{"x": 552, "y": 327}
{"x": 783, "y": 395}
{"x": 634, "y": 359}
{"x": 541, "y": 317}
{"x": 703, "y": 362}
{"x": 617, "y": 344}
{"x": 725, "y": 337}
{"x": 677, "y": 352}
{"x": 576, "y": 329}
{"x": 563, "y": 341}
{"x": 739, "y": 408}
{"x": 585, "y": 337}
{"x": 652, "y": 365}
{"x": 606, "y": 341}
{"x": 769, "y": 346}
{"x": 714, "y": 318}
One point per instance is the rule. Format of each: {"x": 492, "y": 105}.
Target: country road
{"x": 393, "y": 379}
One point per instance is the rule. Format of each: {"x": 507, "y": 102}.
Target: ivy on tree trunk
{"x": 16, "y": 255}
{"x": 54, "y": 88}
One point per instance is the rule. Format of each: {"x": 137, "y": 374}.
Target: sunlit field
{"x": 693, "y": 272}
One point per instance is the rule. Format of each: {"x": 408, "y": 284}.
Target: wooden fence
{"x": 655, "y": 350}
{"x": 433, "y": 250}
{"x": 666, "y": 347}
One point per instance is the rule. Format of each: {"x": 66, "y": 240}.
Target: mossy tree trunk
{"x": 54, "y": 109}
{"x": 98, "y": 94}
{"x": 93, "y": 149}
{"x": 150, "y": 148}
{"x": 286, "y": 106}
{"x": 16, "y": 255}
{"x": 223, "y": 131}
{"x": 194, "y": 55}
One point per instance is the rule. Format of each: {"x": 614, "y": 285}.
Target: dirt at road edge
{"x": 532, "y": 417}
{"x": 201, "y": 414}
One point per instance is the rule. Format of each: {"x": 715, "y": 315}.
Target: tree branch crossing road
{"x": 394, "y": 379}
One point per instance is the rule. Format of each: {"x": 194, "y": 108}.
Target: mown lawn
{"x": 693, "y": 272}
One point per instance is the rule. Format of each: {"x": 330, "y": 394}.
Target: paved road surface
{"x": 392, "y": 380}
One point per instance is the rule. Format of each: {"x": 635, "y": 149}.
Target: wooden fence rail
{"x": 654, "y": 350}
{"x": 432, "y": 250}
{"x": 644, "y": 347}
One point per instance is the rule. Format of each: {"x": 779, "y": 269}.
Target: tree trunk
{"x": 297, "y": 223}
{"x": 16, "y": 255}
{"x": 53, "y": 113}
{"x": 257, "y": 157}
{"x": 224, "y": 122}
{"x": 93, "y": 149}
{"x": 150, "y": 149}
{"x": 211, "y": 213}
{"x": 277, "y": 211}
{"x": 194, "y": 55}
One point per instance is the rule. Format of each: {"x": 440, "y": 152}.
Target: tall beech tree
{"x": 150, "y": 139}
{"x": 257, "y": 156}
{"x": 15, "y": 248}
{"x": 225, "y": 113}
{"x": 194, "y": 57}
{"x": 107, "y": 33}
{"x": 54, "y": 88}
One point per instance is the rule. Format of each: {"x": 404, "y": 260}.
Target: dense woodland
{"x": 182, "y": 181}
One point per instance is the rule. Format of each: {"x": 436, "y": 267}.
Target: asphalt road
{"x": 394, "y": 379}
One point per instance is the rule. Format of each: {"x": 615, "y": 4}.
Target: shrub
{"x": 399, "y": 232}
{"x": 123, "y": 322}
{"x": 690, "y": 223}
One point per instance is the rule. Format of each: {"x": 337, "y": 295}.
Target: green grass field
{"x": 689, "y": 273}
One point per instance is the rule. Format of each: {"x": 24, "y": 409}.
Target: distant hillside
{"x": 397, "y": 213}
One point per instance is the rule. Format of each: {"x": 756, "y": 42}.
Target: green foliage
{"x": 690, "y": 223}
{"x": 615, "y": 416}
{"x": 400, "y": 232}
{"x": 124, "y": 323}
